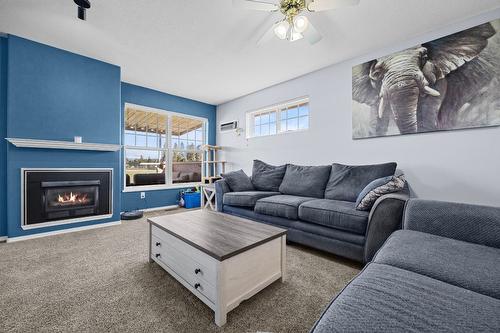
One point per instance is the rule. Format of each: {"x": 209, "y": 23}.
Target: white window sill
{"x": 278, "y": 133}
{"x": 159, "y": 187}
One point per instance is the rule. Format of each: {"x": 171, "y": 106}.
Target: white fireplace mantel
{"x": 50, "y": 144}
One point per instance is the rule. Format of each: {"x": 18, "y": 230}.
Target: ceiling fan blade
{"x": 322, "y": 5}
{"x": 256, "y": 5}
{"x": 311, "y": 34}
{"x": 268, "y": 35}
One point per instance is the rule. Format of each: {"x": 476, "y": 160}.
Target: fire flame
{"x": 72, "y": 198}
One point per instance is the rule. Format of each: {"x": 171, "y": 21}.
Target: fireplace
{"x": 61, "y": 196}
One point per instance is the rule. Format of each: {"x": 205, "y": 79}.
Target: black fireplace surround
{"x": 53, "y": 195}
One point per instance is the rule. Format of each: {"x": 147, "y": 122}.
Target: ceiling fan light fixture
{"x": 295, "y": 35}
{"x": 300, "y": 23}
{"x": 281, "y": 30}
{"x": 294, "y": 25}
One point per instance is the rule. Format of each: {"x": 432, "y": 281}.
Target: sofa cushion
{"x": 334, "y": 214}
{"x": 329, "y": 234}
{"x": 467, "y": 265}
{"x": 266, "y": 177}
{"x": 286, "y": 206}
{"x": 347, "y": 181}
{"x": 245, "y": 199}
{"x": 308, "y": 181}
{"x": 389, "y": 299}
{"x": 238, "y": 181}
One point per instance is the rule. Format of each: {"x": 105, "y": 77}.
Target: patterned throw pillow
{"x": 378, "y": 188}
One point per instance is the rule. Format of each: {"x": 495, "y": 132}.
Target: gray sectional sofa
{"x": 317, "y": 206}
{"x": 441, "y": 273}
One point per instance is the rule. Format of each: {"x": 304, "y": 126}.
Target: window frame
{"x": 278, "y": 109}
{"x": 168, "y": 149}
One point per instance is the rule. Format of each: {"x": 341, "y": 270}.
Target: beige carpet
{"x": 100, "y": 281}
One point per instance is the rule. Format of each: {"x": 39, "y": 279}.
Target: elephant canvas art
{"x": 446, "y": 84}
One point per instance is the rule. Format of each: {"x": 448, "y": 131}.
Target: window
{"x": 162, "y": 148}
{"x": 188, "y": 137}
{"x": 281, "y": 118}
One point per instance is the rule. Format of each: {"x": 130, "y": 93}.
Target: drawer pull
{"x": 158, "y": 244}
{"x": 197, "y": 285}
{"x": 157, "y": 255}
{"x": 196, "y": 271}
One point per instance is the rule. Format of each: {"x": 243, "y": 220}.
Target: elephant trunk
{"x": 403, "y": 100}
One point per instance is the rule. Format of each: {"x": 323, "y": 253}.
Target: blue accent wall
{"x": 55, "y": 95}
{"x": 51, "y": 94}
{"x": 151, "y": 98}
{"x": 3, "y": 134}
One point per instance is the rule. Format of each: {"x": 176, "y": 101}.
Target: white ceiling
{"x": 205, "y": 49}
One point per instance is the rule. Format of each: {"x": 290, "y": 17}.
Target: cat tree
{"x": 211, "y": 168}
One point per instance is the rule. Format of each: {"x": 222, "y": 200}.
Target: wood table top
{"x": 219, "y": 235}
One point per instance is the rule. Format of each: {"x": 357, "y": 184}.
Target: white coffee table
{"x": 222, "y": 259}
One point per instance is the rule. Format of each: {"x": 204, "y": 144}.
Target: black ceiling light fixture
{"x": 83, "y": 5}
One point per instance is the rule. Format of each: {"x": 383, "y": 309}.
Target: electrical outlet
{"x": 143, "y": 195}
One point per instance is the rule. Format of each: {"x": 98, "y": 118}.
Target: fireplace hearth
{"x": 69, "y": 195}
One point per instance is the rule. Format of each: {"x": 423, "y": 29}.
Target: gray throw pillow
{"x": 378, "y": 188}
{"x": 238, "y": 181}
{"x": 305, "y": 181}
{"x": 266, "y": 177}
{"x": 347, "y": 181}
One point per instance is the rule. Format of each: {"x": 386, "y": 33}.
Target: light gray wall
{"x": 461, "y": 166}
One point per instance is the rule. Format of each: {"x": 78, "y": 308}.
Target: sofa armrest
{"x": 465, "y": 222}
{"x": 386, "y": 216}
{"x": 221, "y": 187}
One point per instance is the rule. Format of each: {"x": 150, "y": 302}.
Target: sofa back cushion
{"x": 238, "y": 181}
{"x": 347, "y": 181}
{"x": 266, "y": 177}
{"x": 305, "y": 181}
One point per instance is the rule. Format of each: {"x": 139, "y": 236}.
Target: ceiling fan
{"x": 295, "y": 24}
{"x": 83, "y": 5}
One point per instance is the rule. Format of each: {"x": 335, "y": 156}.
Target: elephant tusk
{"x": 381, "y": 108}
{"x": 432, "y": 92}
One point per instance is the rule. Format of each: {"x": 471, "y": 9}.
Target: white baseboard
{"x": 3, "y": 239}
{"x": 64, "y": 231}
{"x": 159, "y": 208}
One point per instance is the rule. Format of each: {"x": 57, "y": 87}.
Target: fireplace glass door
{"x": 70, "y": 198}
{"x": 63, "y": 195}
{"x": 57, "y": 198}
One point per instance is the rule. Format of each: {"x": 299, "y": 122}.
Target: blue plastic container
{"x": 192, "y": 200}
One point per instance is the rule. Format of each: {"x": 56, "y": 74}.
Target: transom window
{"x": 281, "y": 118}
{"x": 162, "y": 148}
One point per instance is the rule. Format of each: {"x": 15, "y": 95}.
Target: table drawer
{"x": 193, "y": 257}
{"x": 184, "y": 267}
{"x": 193, "y": 266}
